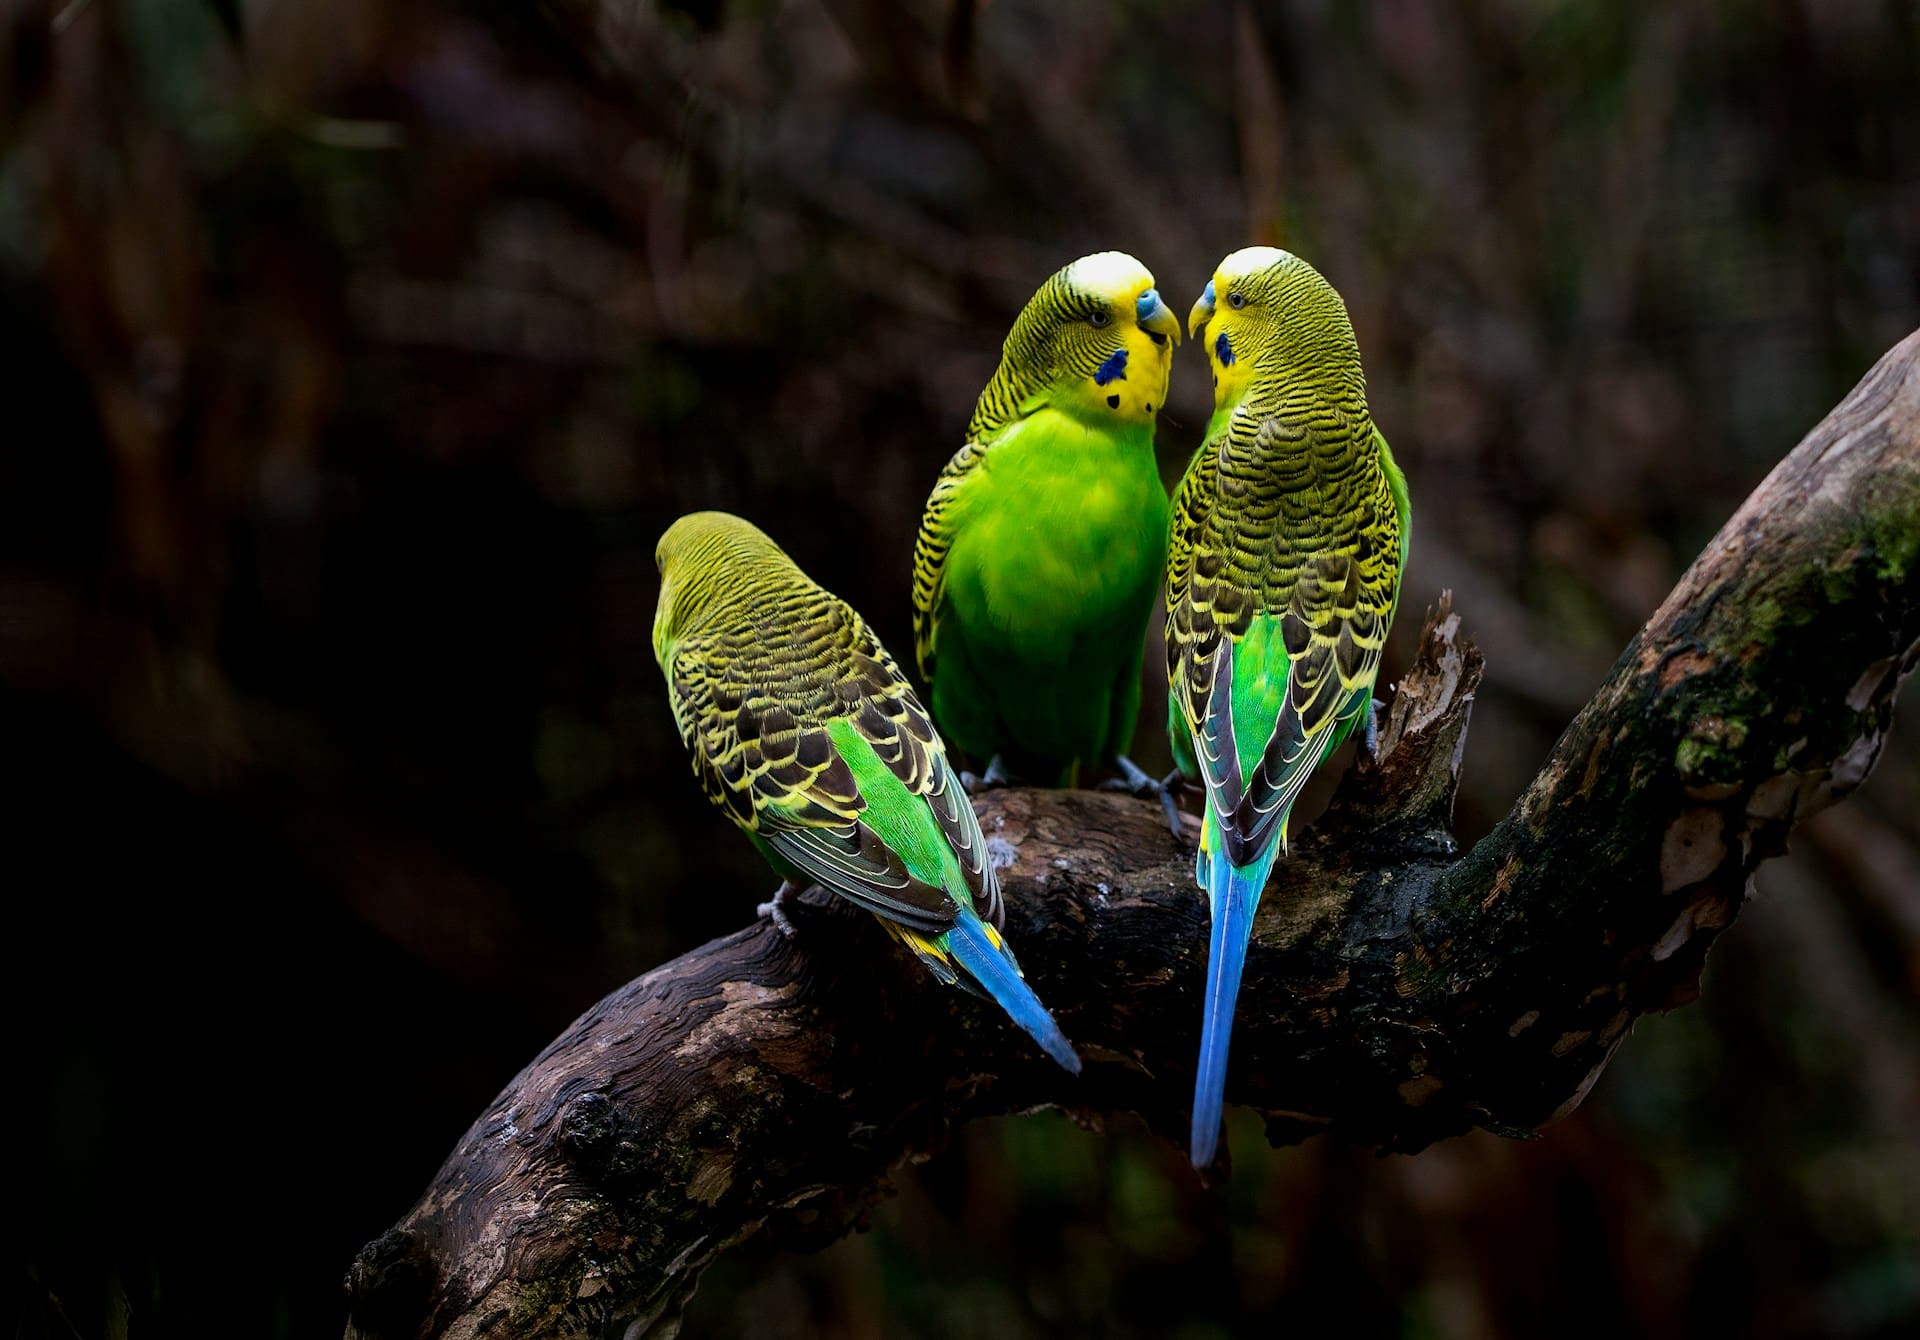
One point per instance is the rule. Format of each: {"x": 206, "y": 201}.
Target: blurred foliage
{"x": 361, "y": 352}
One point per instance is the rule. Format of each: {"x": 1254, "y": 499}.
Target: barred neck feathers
{"x": 1024, "y": 366}
{"x": 1290, "y": 407}
{"x": 1093, "y": 343}
{"x": 713, "y": 564}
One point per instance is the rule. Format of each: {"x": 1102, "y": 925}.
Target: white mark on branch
{"x": 1691, "y": 850}
{"x": 1566, "y": 1042}
{"x": 1776, "y": 799}
{"x": 1585, "y": 1086}
{"x": 1852, "y": 767}
{"x": 1867, "y": 688}
{"x": 1677, "y": 934}
{"x": 711, "y": 1180}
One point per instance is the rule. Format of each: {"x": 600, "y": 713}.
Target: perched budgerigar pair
{"x": 1044, "y": 539}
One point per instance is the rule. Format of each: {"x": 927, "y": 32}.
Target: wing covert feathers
{"x": 755, "y": 689}
{"x": 1290, "y": 519}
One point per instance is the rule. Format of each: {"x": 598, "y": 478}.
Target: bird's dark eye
{"x": 1236, "y": 300}
{"x": 1098, "y": 319}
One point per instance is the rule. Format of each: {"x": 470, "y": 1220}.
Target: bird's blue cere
{"x": 1223, "y": 348}
{"x": 1147, "y": 304}
{"x": 1114, "y": 369}
{"x": 1208, "y": 297}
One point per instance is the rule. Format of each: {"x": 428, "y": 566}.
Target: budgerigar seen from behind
{"x": 1288, "y": 540}
{"x": 804, "y": 731}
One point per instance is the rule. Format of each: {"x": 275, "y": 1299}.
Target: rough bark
{"x": 1397, "y": 992}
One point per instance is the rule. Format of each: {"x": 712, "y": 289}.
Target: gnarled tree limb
{"x": 1396, "y": 992}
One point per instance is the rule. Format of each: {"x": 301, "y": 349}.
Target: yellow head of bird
{"x": 1096, "y": 341}
{"x": 701, "y": 558}
{"x": 1266, "y": 313}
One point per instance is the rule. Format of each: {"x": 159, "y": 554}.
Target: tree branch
{"x": 1396, "y": 992}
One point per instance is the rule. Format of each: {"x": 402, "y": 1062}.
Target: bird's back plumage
{"x": 1286, "y": 533}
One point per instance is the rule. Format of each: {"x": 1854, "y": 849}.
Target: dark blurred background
{"x": 357, "y": 354}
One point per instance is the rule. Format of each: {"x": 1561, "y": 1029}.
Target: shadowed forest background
{"x": 356, "y": 355}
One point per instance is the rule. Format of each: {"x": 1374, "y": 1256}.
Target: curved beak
{"x": 1202, "y": 312}
{"x": 1155, "y": 316}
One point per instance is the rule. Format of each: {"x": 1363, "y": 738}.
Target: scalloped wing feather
{"x": 754, "y": 705}
{"x": 1241, "y": 549}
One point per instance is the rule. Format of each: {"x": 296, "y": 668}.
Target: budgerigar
{"x": 805, "y": 732}
{"x": 1288, "y": 540}
{"x": 1042, "y": 545}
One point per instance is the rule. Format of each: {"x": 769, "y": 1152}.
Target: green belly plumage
{"x": 1057, "y": 557}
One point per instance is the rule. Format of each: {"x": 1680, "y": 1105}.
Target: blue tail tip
{"x": 1203, "y": 1148}
{"x": 1061, "y": 1051}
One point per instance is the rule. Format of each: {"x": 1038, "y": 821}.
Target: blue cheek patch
{"x": 1223, "y": 350}
{"x": 1114, "y": 369}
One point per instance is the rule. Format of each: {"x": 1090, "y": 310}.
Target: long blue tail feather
{"x": 1233, "y": 893}
{"x": 974, "y": 943}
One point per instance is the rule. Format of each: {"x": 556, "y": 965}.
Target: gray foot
{"x": 1370, "y": 733}
{"x": 777, "y": 908}
{"x": 1133, "y": 779}
{"x": 996, "y": 775}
